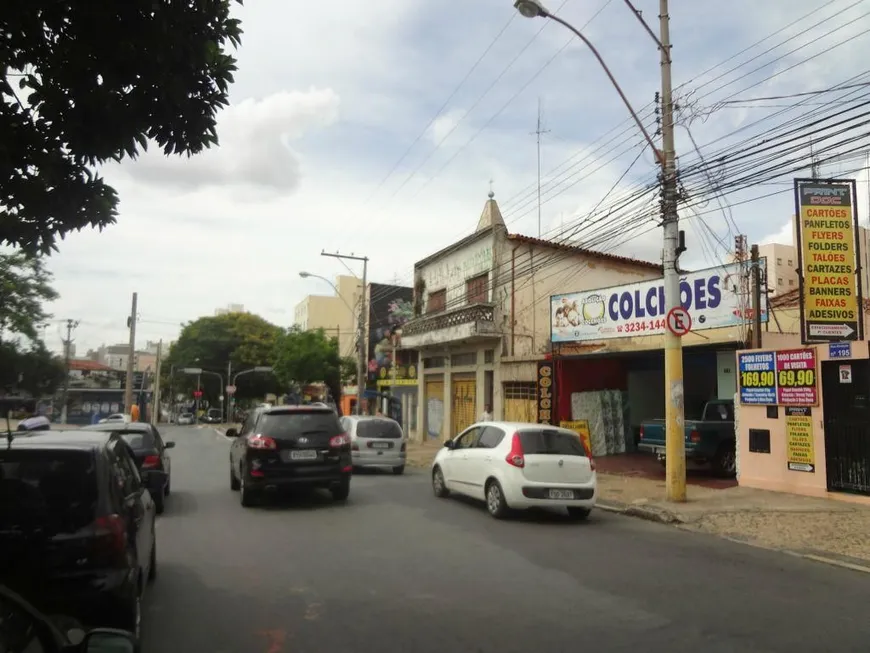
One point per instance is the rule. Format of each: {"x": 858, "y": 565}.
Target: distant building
{"x": 230, "y": 308}
{"x": 336, "y": 314}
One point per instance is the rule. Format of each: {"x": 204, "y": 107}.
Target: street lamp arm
{"x": 335, "y": 288}
{"x": 658, "y": 153}
{"x": 648, "y": 29}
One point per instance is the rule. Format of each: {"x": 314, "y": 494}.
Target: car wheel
{"x": 166, "y": 490}
{"x": 398, "y": 471}
{"x": 160, "y": 503}
{"x": 495, "y": 501}
{"x": 578, "y": 514}
{"x": 439, "y": 487}
{"x": 234, "y": 482}
{"x": 130, "y": 616}
{"x": 341, "y": 491}
{"x": 152, "y": 566}
{"x": 245, "y": 494}
{"x": 725, "y": 460}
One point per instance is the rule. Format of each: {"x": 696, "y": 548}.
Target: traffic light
{"x": 197, "y": 393}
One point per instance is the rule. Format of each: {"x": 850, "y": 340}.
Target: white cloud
{"x": 327, "y": 101}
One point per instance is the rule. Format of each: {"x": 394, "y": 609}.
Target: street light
{"x": 308, "y": 275}
{"x": 232, "y": 400}
{"x": 675, "y": 454}
{"x": 199, "y": 371}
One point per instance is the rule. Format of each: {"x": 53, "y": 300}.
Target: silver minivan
{"x": 376, "y": 442}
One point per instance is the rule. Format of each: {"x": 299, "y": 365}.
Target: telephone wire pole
{"x": 128, "y": 386}
{"x": 71, "y": 325}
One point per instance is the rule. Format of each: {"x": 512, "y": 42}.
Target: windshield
{"x": 139, "y": 441}
{"x": 56, "y": 490}
{"x": 288, "y": 425}
{"x": 557, "y": 443}
{"x": 378, "y": 428}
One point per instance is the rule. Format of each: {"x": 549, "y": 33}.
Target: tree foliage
{"x": 210, "y": 343}
{"x": 35, "y": 371}
{"x": 303, "y": 357}
{"x": 25, "y": 288}
{"x": 349, "y": 369}
{"x": 85, "y": 82}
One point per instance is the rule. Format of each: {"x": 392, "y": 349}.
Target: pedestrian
{"x": 486, "y": 416}
{"x": 134, "y": 413}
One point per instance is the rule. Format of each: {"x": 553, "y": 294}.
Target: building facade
{"x": 481, "y": 321}
{"x": 336, "y": 314}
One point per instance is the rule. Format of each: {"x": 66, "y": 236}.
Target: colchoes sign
{"x": 546, "y": 392}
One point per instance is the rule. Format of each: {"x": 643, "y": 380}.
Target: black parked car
{"x": 149, "y": 449}
{"x": 77, "y": 529}
{"x": 290, "y": 446}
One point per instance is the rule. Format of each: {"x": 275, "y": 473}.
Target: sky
{"x": 379, "y": 130}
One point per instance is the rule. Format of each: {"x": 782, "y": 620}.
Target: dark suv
{"x": 77, "y": 530}
{"x": 150, "y": 452}
{"x": 290, "y": 446}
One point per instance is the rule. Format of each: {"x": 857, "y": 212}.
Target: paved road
{"x": 398, "y": 571}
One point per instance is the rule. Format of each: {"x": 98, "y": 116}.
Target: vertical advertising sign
{"x": 757, "y": 377}
{"x": 546, "y": 391}
{"x": 829, "y": 260}
{"x": 799, "y": 441}
{"x": 796, "y": 378}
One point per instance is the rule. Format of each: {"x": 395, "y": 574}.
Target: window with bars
{"x": 458, "y": 360}
{"x": 489, "y": 356}
{"x": 437, "y": 301}
{"x": 433, "y": 362}
{"x": 475, "y": 289}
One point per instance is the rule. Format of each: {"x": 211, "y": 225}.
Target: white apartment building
{"x": 230, "y": 308}
{"x": 337, "y": 314}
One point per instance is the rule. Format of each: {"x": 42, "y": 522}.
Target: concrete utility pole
{"x": 230, "y": 395}
{"x": 756, "y": 297}
{"x": 539, "y": 131}
{"x": 674, "y": 413}
{"x": 363, "y": 335}
{"x": 71, "y": 325}
{"x": 155, "y": 395}
{"x": 128, "y": 387}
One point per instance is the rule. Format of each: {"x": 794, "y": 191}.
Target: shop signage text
{"x": 786, "y": 377}
{"x": 828, "y": 255}
{"x": 711, "y": 297}
{"x": 799, "y": 441}
{"x": 546, "y": 393}
{"x": 840, "y": 350}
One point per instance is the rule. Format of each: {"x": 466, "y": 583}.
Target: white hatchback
{"x": 512, "y": 465}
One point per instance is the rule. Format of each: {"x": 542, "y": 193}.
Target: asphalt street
{"x": 396, "y": 570}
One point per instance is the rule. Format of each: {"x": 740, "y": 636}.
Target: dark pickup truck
{"x": 709, "y": 441}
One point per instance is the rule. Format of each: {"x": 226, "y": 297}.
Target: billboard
{"x": 829, "y": 260}
{"x": 786, "y": 377}
{"x": 389, "y": 308}
{"x": 711, "y": 296}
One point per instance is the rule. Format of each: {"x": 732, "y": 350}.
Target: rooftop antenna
{"x": 539, "y": 130}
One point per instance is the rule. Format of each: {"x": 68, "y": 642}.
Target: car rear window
{"x": 52, "y": 490}
{"x": 288, "y": 425}
{"x": 139, "y": 441}
{"x": 378, "y": 428}
{"x": 548, "y": 441}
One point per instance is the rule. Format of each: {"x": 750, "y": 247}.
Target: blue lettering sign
{"x": 713, "y": 292}
{"x": 840, "y": 350}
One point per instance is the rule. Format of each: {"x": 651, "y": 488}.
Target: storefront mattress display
{"x": 604, "y": 411}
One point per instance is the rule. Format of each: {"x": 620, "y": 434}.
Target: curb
{"x": 640, "y": 512}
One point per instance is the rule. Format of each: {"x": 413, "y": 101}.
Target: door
{"x": 435, "y": 407}
{"x": 455, "y": 465}
{"x": 237, "y": 449}
{"x": 847, "y": 425}
{"x": 481, "y": 459}
{"x": 463, "y": 402}
{"x": 138, "y": 505}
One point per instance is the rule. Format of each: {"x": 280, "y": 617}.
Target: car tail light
{"x": 261, "y": 442}
{"x": 111, "y": 535}
{"x": 695, "y": 436}
{"x": 151, "y": 462}
{"x": 355, "y": 446}
{"x": 588, "y": 454}
{"x": 339, "y": 440}
{"x": 404, "y": 447}
{"x": 641, "y": 431}
{"x": 515, "y": 456}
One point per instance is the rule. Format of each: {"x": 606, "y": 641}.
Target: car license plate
{"x": 306, "y": 454}
{"x": 659, "y": 451}
{"x": 561, "y": 494}
{"x": 380, "y": 445}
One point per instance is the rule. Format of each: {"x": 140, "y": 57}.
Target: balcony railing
{"x": 443, "y": 320}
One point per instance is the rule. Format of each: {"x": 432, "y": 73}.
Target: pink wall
{"x": 769, "y": 471}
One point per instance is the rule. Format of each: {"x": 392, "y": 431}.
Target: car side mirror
{"x": 101, "y": 640}
{"x": 449, "y": 444}
{"x": 232, "y": 433}
{"x": 169, "y": 445}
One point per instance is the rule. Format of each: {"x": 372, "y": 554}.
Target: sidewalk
{"x": 831, "y": 531}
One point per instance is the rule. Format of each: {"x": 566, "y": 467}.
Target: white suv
{"x": 514, "y": 465}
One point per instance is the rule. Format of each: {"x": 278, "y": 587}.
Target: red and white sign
{"x": 231, "y": 389}
{"x": 679, "y": 321}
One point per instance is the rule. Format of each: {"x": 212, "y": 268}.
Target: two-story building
{"x": 482, "y": 320}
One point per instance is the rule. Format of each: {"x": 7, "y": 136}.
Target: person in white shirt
{"x": 486, "y": 416}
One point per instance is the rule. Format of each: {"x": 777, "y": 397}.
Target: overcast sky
{"x": 327, "y": 100}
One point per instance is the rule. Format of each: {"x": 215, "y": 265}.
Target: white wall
{"x": 451, "y": 271}
{"x": 726, "y": 374}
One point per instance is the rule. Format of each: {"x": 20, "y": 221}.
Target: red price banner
{"x": 796, "y": 378}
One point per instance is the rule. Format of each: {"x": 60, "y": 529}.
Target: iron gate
{"x": 847, "y": 426}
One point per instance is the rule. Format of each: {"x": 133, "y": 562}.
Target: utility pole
{"x": 756, "y": 297}
{"x": 155, "y": 395}
{"x": 71, "y": 325}
{"x": 675, "y": 448}
{"x": 363, "y": 335}
{"x": 539, "y": 130}
{"x": 131, "y": 324}
{"x": 230, "y": 397}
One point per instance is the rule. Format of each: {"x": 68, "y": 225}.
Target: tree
{"x": 243, "y": 339}
{"x": 83, "y": 83}
{"x": 303, "y": 357}
{"x": 35, "y": 371}
{"x": 25, "y": 288}
{"x": 349, "y": 369}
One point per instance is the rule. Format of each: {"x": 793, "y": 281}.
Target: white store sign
{"x": 712, "y": 298}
